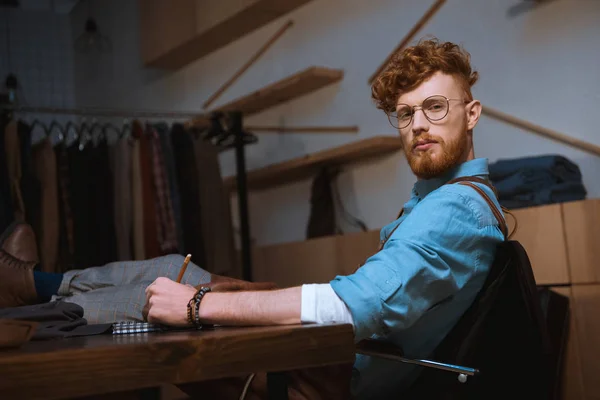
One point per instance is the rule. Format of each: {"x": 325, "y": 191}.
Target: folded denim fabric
{"x": 559, "y": 167}
{"x": 558, "y": 193}
{"x": 534, "y": 181}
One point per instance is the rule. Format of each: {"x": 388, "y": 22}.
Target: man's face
{"x": 435, "y": 145}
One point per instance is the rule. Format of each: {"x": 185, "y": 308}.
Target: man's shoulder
{"x": 457, "y": 195}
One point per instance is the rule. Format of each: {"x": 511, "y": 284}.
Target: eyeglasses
{"x": 434, "y": 108}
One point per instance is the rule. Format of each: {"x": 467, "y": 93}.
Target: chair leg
{"x": 277, "y": 386}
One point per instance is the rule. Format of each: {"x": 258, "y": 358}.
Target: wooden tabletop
{"x": 108, "y": 363}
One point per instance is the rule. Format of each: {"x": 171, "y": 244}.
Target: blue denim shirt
{"x": 414, "y": 290}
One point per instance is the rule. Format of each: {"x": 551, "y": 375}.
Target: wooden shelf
{"x": 306, "y": 166}
{"x": 292, "y": 87}
{"x": 190, "y": 32}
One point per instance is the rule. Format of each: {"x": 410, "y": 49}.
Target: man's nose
{"x": 420, "y": 122}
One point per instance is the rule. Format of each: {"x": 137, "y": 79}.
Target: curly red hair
{"x": 413, "y": 65}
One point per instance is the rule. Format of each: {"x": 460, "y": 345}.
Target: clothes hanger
{"x": 70, "y": 127}
{"x": 83, "y": 135}
{"x": 215, "y": 128}
{"x": 229, "y": 141}
{"x": 55, "y": 125}
{"x": 126, "y": 132}
{"x": 96, "y": 132}
{"x": 36, "y": 122}
{"x": 228, "y": 138}
{"x": 110, "y": 127}
{"x": 198, "y": 133}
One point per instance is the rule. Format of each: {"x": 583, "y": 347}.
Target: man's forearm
{"x": 272, "y": 307}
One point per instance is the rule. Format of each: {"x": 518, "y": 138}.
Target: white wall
{"x": 540, "y": 65}
{"x": 39, "y": 53}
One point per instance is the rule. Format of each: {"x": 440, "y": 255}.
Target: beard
{"x": 426, "y": 166}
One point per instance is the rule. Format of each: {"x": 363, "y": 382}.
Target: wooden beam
{"x": 411, "y": 34}
{"x": 540, "y": 130}
{"x": 304, "y": 129}
{"x": 248, "y": 64}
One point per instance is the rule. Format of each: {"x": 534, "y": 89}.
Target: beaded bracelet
{"x": 194, "y": 316}
{"x": 190, "y": 313}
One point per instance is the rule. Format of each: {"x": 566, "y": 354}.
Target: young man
{"x": 433, "y": 260}
{"x": 435, "y": 257}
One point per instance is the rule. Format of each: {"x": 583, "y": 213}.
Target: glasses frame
{"x": 392, "y": 116}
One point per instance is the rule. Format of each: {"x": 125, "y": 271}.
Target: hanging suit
{"x": 13, "y": 164}
{"x": 44, "y": 166}
{"x": 122, "y": 152}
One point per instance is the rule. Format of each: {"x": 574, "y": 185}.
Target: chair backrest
{"x": 503, "y": 334}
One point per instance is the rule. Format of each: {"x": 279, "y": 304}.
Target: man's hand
{"x": 166, "y": 302}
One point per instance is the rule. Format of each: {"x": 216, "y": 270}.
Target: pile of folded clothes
{"x": 534, "y": 181}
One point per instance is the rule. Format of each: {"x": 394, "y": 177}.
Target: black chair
{"x": 508, "y": 345}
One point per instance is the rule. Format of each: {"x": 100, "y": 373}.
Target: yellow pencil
{"x": 183, "y": 267}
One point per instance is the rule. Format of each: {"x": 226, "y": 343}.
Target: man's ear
{"x": 473, "y": 114}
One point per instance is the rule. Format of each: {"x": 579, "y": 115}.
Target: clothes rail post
{"x": 242, "y": 189}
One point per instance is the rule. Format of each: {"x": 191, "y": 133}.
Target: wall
{"x": 40, "y": 54}
{"x": 539, "y": 65}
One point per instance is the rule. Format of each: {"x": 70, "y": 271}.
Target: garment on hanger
{"x": 13, "y": 164}
{"x": 165, "y": 221}
{"x": 29, "y": 183}
{"x": 123, "y": 197}
{"x": 139, "y": 251}
{"x": 66, "y": 241}
{"x": 167, "y": 150}
{"x": 151, "y": 245}
{"x": 6, "y": 203}
{"x": 80, "y": 199}
{"x": 215, "y": 210}
{"x": 187, "y": 179}
{"x": 101, "y": 207}
{"x": 44, "y": 167}
{"x": 92, "y": 204}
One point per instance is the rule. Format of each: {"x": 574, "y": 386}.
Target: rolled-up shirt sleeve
{"x": 428, "y": 258}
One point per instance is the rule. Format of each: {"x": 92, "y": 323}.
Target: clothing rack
{"x": 101, "y": 112}
{"x": 234, "y": 129}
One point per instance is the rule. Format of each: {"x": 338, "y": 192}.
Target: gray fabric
{"x": 116, "y": 291}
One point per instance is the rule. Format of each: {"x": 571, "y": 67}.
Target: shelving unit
{"x": 292, "y": 87}
{"x": 304, "y": 167}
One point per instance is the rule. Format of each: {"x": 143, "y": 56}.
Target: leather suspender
{"x": 468, "y": 180}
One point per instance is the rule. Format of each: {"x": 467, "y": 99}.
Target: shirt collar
{"x": 476, "y": 167}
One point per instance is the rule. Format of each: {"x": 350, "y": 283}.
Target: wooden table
{"x": 92, "y": 365}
